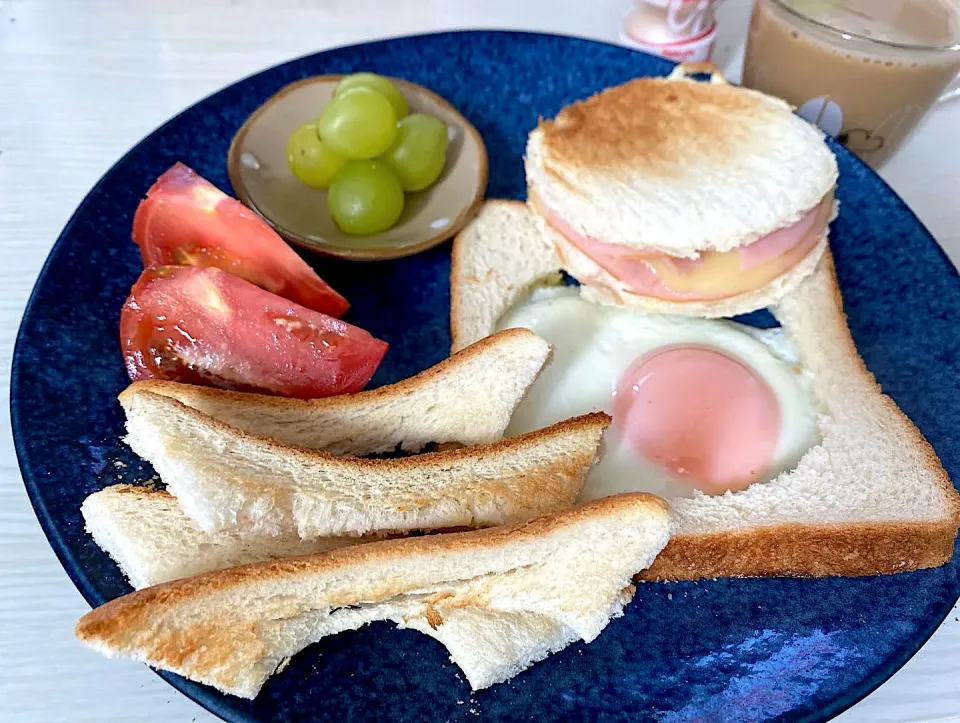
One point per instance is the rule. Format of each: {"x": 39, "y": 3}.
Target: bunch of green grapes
{"x": 368, "y": 149}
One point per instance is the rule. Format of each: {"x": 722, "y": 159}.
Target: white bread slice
{"x": 536, "y": 586}
{"x": 467, "y": 398}
{"x": 871, "y": 498}
{"x": 679, "y": 166}
{"x": 152, "y": 541}
{"x": 224, "y": 478}
{"x": 490, "y": 273}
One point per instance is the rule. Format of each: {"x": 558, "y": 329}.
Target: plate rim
{"x": 208, "y": 698}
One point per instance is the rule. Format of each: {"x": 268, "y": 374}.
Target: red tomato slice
{"x": 204, "y": 326}
{"x": 186, "y": 220}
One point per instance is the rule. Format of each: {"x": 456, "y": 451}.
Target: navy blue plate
{"x": 743, "y": 650}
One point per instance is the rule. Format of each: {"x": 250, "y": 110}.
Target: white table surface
{"x": 83, "y": 80}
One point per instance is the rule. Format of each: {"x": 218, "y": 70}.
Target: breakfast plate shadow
{"x": 744, "y": 650}
{"x": 262, "y": 179}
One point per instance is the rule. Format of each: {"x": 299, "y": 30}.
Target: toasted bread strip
{"x": 872, "y": 498}
{"x": 152, "y": 541}
{"x": 227, "y": 479}
{"x": 467, "y": 398}
{"x": 559, "y": 578}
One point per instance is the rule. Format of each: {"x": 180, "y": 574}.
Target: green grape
{"x": 365, "y": 198}
{"x": 311, "y": 160}
{"x": 359, "y": 124}
{"x": 378, "y": 83}
{"x": 419, "y": 152}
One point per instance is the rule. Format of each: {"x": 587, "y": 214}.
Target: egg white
{"x": 594, "y": 345}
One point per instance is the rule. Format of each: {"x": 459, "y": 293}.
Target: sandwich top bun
{"x": 681, "y": 190}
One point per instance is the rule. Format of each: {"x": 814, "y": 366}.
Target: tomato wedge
{"x": 186, "y": 220}
{"x": 204, "y": 326}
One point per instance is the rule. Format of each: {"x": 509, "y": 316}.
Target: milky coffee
{"x": 865, "y": 71}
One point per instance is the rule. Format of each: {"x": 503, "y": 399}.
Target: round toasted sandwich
{"x": 678, "y": 196}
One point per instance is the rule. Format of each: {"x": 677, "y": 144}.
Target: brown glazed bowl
{"x": 261, "y": 178}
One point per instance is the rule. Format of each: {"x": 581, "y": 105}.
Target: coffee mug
{"x": 864, "y": 71}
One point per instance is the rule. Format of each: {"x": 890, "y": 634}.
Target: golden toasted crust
{"x": 654, "y": 123}
{"x": 397, "y": 390}
{"x": 139, "y": 492}
{"x": 848, "y": 550}
{"x": 594, "y": 421}
{"x": 110, "y": 624}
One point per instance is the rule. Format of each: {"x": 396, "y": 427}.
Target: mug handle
{"x": 952, "y": 92}
{"x": 704, "y": 67}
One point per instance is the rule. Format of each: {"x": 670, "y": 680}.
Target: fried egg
{"x": 697, "y": 404}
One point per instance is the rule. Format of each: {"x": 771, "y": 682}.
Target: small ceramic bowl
{"x": 257, "y": 164}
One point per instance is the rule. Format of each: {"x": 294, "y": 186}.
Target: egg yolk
{"x": 703, "y": 415}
